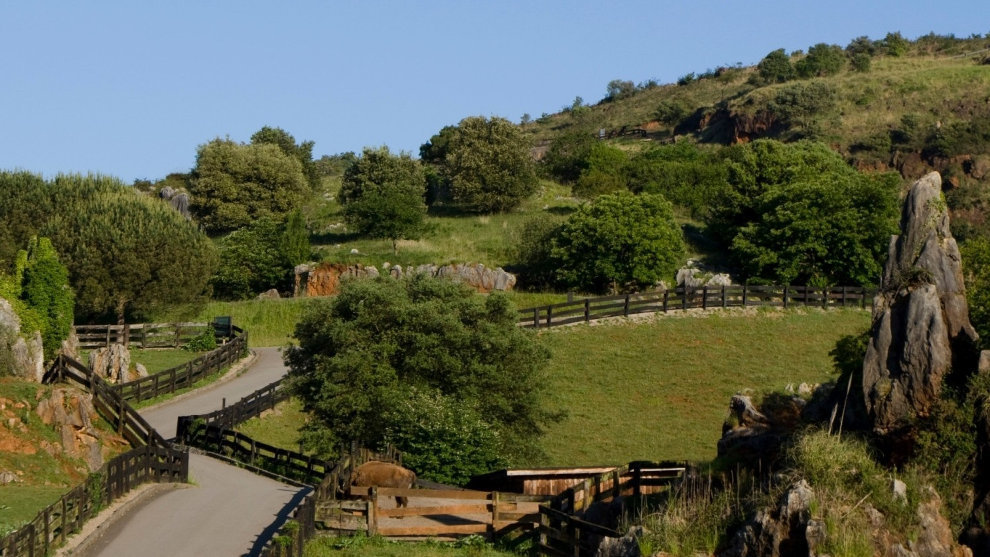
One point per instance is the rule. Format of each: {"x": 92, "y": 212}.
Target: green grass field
{"x": 656, "y": 389}
{"x": 660, "y": 389}
{"x": 360, "y": 546}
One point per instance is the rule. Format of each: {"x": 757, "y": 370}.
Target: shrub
{"x": 821, "y": 60}
{"x": 532, "y": 253}
{"x": 363, "y": 353}
{"x": 252, "y": 260}
{"x": 203, "y": 342}
{"x": 619, "y": 242}
{"x": 684, "y": 174}
{"x": 776, "y": 67}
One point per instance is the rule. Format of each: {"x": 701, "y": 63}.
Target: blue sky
{"x": 131, "y": 89}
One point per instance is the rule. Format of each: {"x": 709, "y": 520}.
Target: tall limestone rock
{"x": 921, "y": 330}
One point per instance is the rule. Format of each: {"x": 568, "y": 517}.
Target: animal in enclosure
{"x": 375, "y": 473}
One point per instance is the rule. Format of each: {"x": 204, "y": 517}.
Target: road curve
{"x": 227, "y": 511}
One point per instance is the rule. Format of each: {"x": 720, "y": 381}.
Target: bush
{"x": 821, "y": 60}
{"x": 531, "y": 255}
{"x": 203, "y": 342}
{"x": 619, "y": 242}
{"x": 254, "y": 259}
{"x": 444, "y": 439}
{"x": 776, "y": 67}
{"x": 365, "y": 352}
{"x": 684, "y": 174}
{"x": 605, "y": 172}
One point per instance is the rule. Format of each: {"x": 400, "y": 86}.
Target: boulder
{"x": 24, "y": 355}
{"x": 754, "y": 435}
{"x": 785, "y": 530}
{"x": 270, "y": 294}
{"x": 112, "y": 363}
{"x": 921, "y": 327}
{"x": 693, "y": 277}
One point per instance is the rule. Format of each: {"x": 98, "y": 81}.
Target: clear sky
{"x": 132, "y": 88}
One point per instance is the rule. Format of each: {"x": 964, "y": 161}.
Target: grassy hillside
{"x": 657, "y": 388}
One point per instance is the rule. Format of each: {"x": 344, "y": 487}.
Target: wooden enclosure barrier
{"x": 187, "y": 374}
{"x": 682, "y": 298}
{"x": 563, "y": 530}
{"x": 142, "y": 335}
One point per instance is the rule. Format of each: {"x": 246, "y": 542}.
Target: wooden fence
{"x": 187, "y": 374}
{"x": 564, "y": 532}
{"x": 682, "y": 298}
{"x": 248, "y": 407}
{"x": 154, "y": 460}
{"x": 140, "y": 335}
{"x": 443, "y": 513}
{"x": 118, "y": 476}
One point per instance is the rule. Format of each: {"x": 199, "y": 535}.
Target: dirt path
{"x": 226, "y": 512}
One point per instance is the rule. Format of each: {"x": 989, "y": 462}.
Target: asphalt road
{"x": 226, "y": 511}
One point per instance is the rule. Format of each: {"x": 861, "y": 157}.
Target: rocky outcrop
{"x": 24, "y": 355}
{"x": 324, "y": 279}
{"x": 921, "y": 327}
{"x": 788, "y": 529}
{"x": 753, "y": 436}
{"x": 72, "y": 414}
{"x": 112, "y": 363}
{"x": 693, "y": 277}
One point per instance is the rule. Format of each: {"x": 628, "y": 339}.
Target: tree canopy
{"x": 303, "y": 152}
{"x": 797, "y": 212}
{"x": 620, "y": 242}
{"x": 483, "y": 165}
{"x": 382, "y": 195}
{"x": 126, "y": 253}
{"x": 234, "y": 184}
{"x": 259, "y": 257}
{"x": 380, "y": 343}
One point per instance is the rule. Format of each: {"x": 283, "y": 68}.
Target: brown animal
{"x": 384, "y": 474}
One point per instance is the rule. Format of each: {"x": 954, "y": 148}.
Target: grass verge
{"x": 363, "y": 546}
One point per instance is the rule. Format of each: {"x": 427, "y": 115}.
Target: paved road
{"x": 227, "y": 511}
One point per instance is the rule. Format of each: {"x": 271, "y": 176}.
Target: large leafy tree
{"x": 234, "y": 184}
{"x": 303, "y": 151}
{"x": 25, "y": 204}
{"x": 382, "y": 195}
{"x": 798, "y": 213}
{"x": 483, "y": 165}
{"x": 620, "y": 242}
{"x": 259, "y": 257}
{"x": 45, "y": 288}
{"x": 365, "y": 353}
{"x": 126, "y": 253}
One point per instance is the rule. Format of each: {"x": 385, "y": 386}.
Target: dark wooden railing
{"x": 248, "y": 407}
{"x": 682, "y": 298}
{"x": 185, "y": 375}
{"x": 564, "y": 532}
{"x": 140, "y": 335}
{"x": 154, "y": 460}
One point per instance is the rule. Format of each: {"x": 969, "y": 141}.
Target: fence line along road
{"x": 705, "y": 297}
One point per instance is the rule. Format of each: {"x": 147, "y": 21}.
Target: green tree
{"x": 303, "y": 152}
{"x": 254, "y": 259}
{"x": 45, "y": 288}
{"x": 605, "y": 173}
{"x": 25, "y": 204}
{"x": 126, "y": 253}
{"x": 776, "y": 67}
{"x": 821, "y": 60}
{"x": 382, "y": 195}
{"x": 685, "y": 175}
{"x": 483, "y": 165}
{"x": 567, "y": 156}
{"x": 797, "y": 213}
{"x": 894, "y": 44}
{"x": 295, "y": 239}
{"x": 234, "y": 184}
{"x": 620, "y": 242}
{"x": 381, "y": 342}
{"x": 619, "y": 89}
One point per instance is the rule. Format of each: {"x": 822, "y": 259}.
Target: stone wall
{"x": 324, "y": 279}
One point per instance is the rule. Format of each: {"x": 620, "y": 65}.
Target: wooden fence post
{"x": 625, "y": 306}
{"x": 536, "y": 317}
{"x": 494, "y": 513}
{"x": 684, "y": 297}
{"x": 587, "y": 310}
{"x": 549, "y": 315}
{"x": 724, "y": 301}
{"x": 372, "y": 511}
{"x": 704, "y": 297}
{"x": 785, "y": 296}
{"x": 666, "y": 294}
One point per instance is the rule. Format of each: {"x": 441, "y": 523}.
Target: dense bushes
{"x": 259, "y": 257}
{"x": 365, "y": 353}
{"x": 620, "y": 242}
{"x": 795, "y": 213}
{"x": 126, "y": 253}
{"x": 482, "y": 165}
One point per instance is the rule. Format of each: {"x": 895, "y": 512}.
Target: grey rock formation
{"x": 324, "y": 279}
{"x": 921, "y": 327}
{"x": 112, "y": 363}
{"x": 25, "y": 356}
{"x": 693, "y": 277}
{"x": 786, "y": 530}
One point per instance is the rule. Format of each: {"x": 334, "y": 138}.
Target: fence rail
{"x": 154, "y": 460}
{"x": 563, "y": 530}
{"x": 139, "y": 335}
{"x": 682, "y": 298}
{"x": 187, "y": 374}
